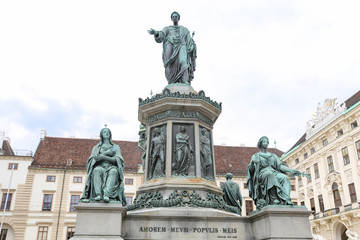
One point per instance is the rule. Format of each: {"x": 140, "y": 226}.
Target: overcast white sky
{"x": 71, "y": 66}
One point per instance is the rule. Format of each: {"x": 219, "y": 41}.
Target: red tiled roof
{"x": 54, "y": 152}
{"x": 8, "y": 151}
{"x": 236, "y": 159}
{"x": 353, "y": 100}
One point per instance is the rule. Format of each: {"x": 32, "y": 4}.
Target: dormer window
{"x": 354, "y": 124}
{"x": 340, "y": 132}
{"x": 312, "y": 150}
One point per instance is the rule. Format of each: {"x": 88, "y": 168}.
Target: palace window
{"x": 128, "y": 200}
{"x": 312, "y": 150}
{"x": 345, "y": 154}
{"x": 129, "y": 181}
{"x": 325, "y": 142}
{"x": 357, "y": 145}
{"x": 13, "y": 166}
{"x": 70, "y": 232}
{"x": 73, "y": 202}
{"x": 352, "y": 192}
{"x": 316, "y": 171}
{"x": 330, "y": 163}
{"x": 308, "y": 173}
{"x": 245, "y": 186}
{"x": 312, "y": 204}
{"x": 8, "y": 203}
{"x": 354, "y": 124}
{"x": 3, "y": 234}
{"x": 47, "y": 202}
{"x": 340, "y": 132}
{"x": 336, "y": 194}
{"x": 42, "y": 233}
{"x": 305, "y": 155}
{"x": 249, "y": 207}
{"x": 321, "y": 203}
{"x": 297, "y": 161}
{"x": 77, "y": 179}
{"x": 300, "y": 183}
{"x": 302, "y": 203}
{"x": 293, "y": 187}
{"x": 50, "y": 178}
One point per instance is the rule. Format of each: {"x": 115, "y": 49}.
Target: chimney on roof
{"x": 140, "y": 168}
{"x": 2, "y": 134}
{"x": 43, "y": 134}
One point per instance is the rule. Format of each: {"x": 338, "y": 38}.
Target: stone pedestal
{"x": 100, "y": 221}
{"x": 178, "y": 111}
{"x": 276, "y": 222}
{"x": 111, "y": 221}
{"x": 200, "y": 223}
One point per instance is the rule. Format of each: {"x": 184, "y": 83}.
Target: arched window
{"x": 336, "y": 194}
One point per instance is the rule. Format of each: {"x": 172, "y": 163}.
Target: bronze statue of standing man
{"x": 179, "y": 51}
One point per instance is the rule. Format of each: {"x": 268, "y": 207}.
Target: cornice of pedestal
{"x": 177, "y": 105}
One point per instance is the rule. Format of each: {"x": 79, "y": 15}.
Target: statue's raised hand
{"x": 152, "y": 31}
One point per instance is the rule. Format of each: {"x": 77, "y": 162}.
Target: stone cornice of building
{"x": 326, "y": 114}
{"x": 16, "y": 158}
{"x": 332, "y": 144}
{"x": 344, "y": 217}
{"x": 352, "y": 103}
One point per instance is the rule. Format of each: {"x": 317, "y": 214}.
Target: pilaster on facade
{"x": 22, "y": 202}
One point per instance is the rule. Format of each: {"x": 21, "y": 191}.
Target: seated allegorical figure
{"x": 267, "y": 181}
{"x": 105, "y": 177}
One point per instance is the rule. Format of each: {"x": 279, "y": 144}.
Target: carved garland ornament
{"x": 180, "y": 199}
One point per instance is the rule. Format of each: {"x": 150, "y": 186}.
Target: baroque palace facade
{"x": 48, "y": 185}
{"x": 329, "y": 152}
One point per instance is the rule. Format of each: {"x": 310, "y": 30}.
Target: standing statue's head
{"x": 228, "y": 176}
{"x": 175, "y": 17}
{"x": 204, "y": 132}
{"x": 157, "y": 131}
{"x": 175, "y": 13}
{"x": 263, "y": 142}
{"x": 105, "y": 133}
{"x": 182, "y": 129}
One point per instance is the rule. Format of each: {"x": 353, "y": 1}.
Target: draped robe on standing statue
{"x": 179, "y": 53}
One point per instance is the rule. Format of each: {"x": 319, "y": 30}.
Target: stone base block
{"x": 185, "y": 223}
{"x": 180, "y": 87}
{"x": 101, "y": 221}
{"x": 276, "y": 222}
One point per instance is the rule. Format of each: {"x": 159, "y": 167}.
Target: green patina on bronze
{"x": 184, "y": 153}
{"x": 167, "y": 94}
{"x": 179, "y": 114}
{"x": 157, "y": 152}
{"x": 267, "y": 181}
{"x": 232, "y": 195}
{"x": 180, "y": 198}
{"x": 206, "y": 156}
{"x": 105, "y": 176}
{"x": 179, "y": 51}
